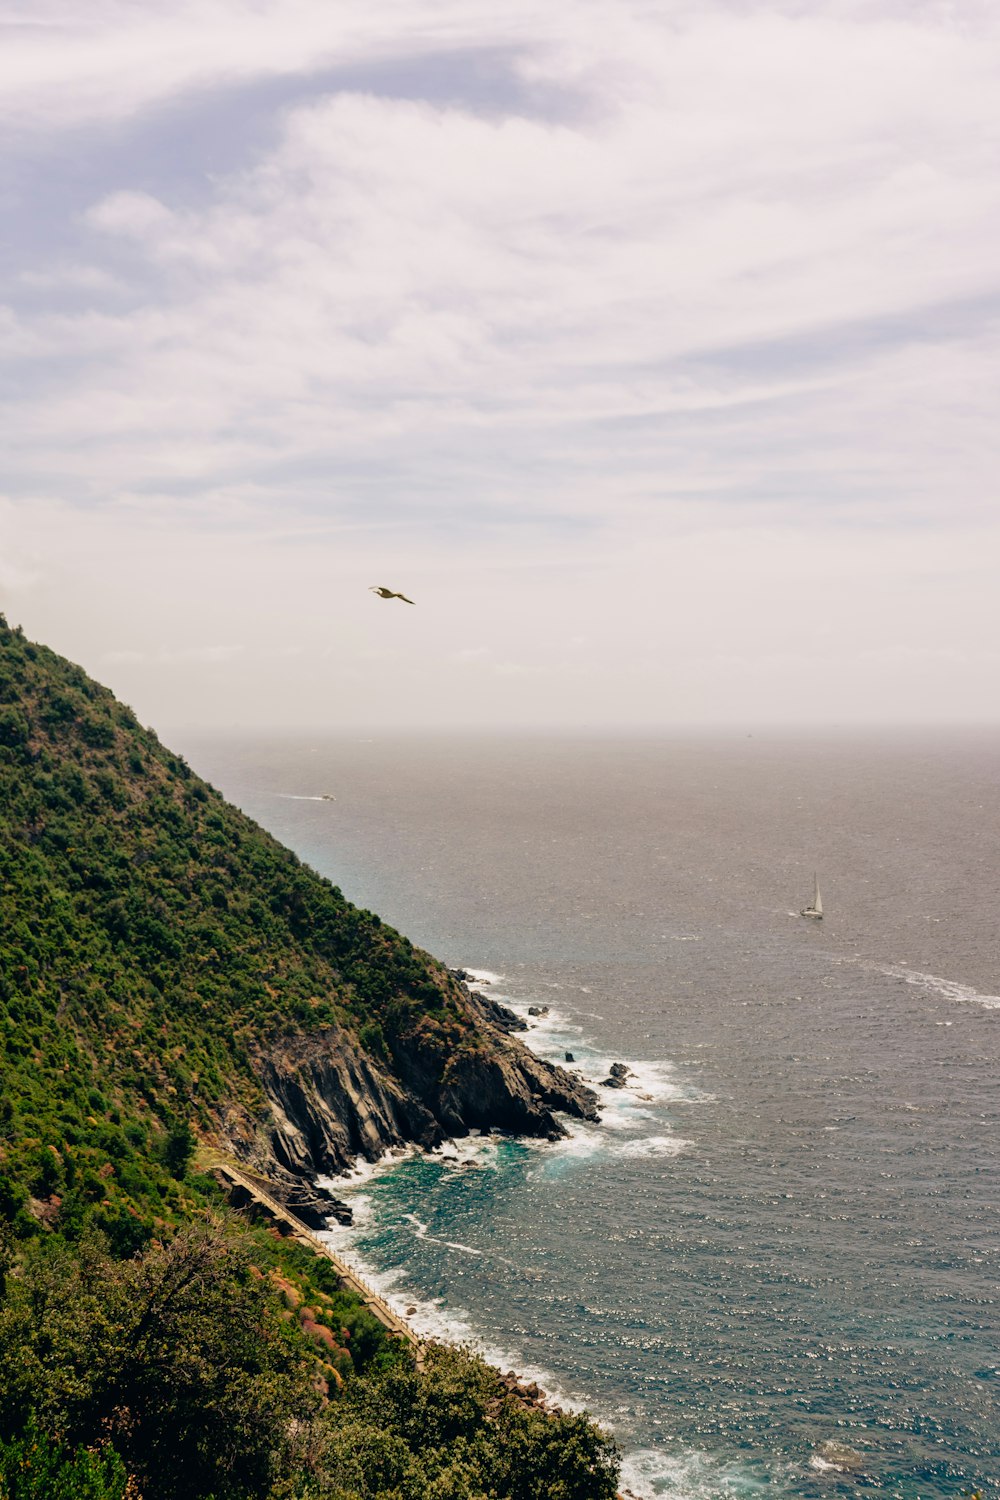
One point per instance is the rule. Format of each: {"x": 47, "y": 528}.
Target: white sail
{"x": 816, "y": 909}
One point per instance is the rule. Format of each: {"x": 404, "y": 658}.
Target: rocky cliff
{"x": 331, "y": 1103}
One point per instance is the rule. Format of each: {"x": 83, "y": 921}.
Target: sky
{"x": 653, "y": 349}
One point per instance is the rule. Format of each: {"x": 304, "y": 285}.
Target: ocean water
{"x": 774, "y": 1264}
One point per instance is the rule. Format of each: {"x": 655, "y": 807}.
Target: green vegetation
{"x": 152, "y": 938}
{"x": 154, "y": 942}
{"x": 177, "y": 1370}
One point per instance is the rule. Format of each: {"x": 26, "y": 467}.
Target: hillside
{"x": 169, "y": 976}
{"x": 164, "y": 958}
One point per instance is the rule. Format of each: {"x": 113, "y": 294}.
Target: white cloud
{"x": 702, "y": 354}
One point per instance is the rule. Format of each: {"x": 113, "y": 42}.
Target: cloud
{"x": 701, "y": 302}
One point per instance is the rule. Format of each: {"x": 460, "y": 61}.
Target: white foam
{"x": 297, "y": 797}
{"x": 652, "y": 1474}
{"x": 553, "y": 1035}
{"x": 364, "y": 1171}
{"x": 951, "y": 989}
{"x": 654, "y": 1145}
{"x": 465, "y": 1152}
{"x": 422, "y": 1232}
{"x": 622, "y": 1113}
{"x": 432, "y": 1319}
{"x": 483, "y": 976}
{"x": 653, "y": 1082}
{"x": 546, "y": 1028}
{"x": 647, "y": 1087}
{"x": 581, "y": 1141}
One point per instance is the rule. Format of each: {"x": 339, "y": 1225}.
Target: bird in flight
{"x": 385, "y": 593}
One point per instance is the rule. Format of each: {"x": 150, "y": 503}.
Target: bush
{"x": 34, "y": 1467}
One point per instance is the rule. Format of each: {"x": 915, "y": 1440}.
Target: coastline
{"x": 623, "y": 1106}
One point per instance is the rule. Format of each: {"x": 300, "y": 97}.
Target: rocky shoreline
{"x": 331, "y": 1103}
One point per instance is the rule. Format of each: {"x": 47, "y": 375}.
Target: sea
{"x": 772, "y": 1268}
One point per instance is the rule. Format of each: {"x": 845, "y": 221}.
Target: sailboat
{"x": 815, "y": 909}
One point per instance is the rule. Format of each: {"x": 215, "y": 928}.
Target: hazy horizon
{"x": 868, "y": 732}
{"x": 653, "y": 354}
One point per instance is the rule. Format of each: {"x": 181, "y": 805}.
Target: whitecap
{"x": 580, "y": 1142}
{"x": 652, "y": 1474}
{"x": 624, "y": 1114}
{"x": 547, "y": 1028}
{"x": 653, "y": 1145}
{"x": 552, "y": 1035}
{"x": 483, "y": 976}
{"x": 463, "y": 1152}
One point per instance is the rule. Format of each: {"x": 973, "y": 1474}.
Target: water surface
{"x": 780, "y": 1248}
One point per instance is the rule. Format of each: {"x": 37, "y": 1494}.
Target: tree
{"x": 179, "y": 1148}
{"x": 179, "y": 1356}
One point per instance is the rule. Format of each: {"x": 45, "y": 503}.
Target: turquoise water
{"x": 773, "y": 1265}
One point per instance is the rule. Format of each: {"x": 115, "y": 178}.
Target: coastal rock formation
{"x": 500, "y": 1015}
{"x": 332, "y": 1103}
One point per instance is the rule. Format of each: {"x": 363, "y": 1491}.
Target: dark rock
{"x": 570, "y": 1057}
{"x": 619, "y": 1070}
{"x": 315, "y": 1206}
{"x": 332, "y": 1103}
{"x": 538, "y": 1010}
{"x": 498, "y": 1014}
{"x": 612, "y": 1083}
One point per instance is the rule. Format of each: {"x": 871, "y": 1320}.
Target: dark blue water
{"x": 774, "y": 1265}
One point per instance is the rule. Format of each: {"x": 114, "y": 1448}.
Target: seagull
{"x": 385, "y": 593}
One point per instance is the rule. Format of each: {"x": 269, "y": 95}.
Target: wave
{"x": 475, "y": 1152}
{"x": 654, "y": 1145}
{"x": 363, "y": 1171}
{"x": 431, "y": 1318}
{"x": 649, "y": 1081}
{"x": 951, "y": 989}
{"x": 300, "y": 797}
{"x": 422, "y": 1232}
{"x": 652, "y": 1474}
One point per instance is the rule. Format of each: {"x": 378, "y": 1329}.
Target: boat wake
{"x": 950, "y": 989}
